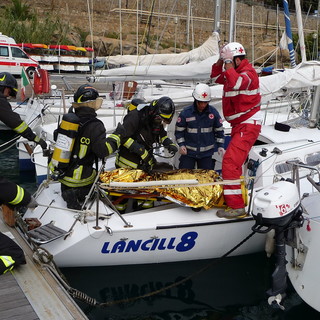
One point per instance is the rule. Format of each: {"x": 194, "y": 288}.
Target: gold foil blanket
{"x": 206, "y": 194}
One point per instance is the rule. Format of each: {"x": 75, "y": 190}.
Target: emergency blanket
{"x": 206, "y": 194}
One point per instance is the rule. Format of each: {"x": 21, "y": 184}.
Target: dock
{"x": 31, "y": 292}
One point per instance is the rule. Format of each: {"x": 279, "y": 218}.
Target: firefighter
{"x": 11, "y": 193}
{"x": 144, "y": 127}
{"x": 90, "y": 145}
{"x": 11, "y": 255}
{"x": 9, "y": 88}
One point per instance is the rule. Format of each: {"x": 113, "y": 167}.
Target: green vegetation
{"x": 20, "y": 22}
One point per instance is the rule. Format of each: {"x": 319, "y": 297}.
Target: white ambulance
{"x": 13, "y": 58}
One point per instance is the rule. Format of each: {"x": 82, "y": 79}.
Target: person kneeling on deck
{"x": 144, "y": 128}
{"x": 13, "y": 197}
{"x": 90, "y": 144}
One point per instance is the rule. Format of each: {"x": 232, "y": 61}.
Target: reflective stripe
{"x": 121, "y": 207}
{"x": 77, "y": 173}
{"x": 246, "y": 92}
{"x": 238, "y": 84}
{"x": 116, "y": 138}
{"x": 125, "y": 163}
{"x": 8, "y": 263}
{"x": 237, "y": 115}
{"x": 110, "y": 149}
{"x": 220, "y": 140}
{"x": 163, "y": 138}
{"x": 192, "y": 130}
{"x": 230, "y": 192}
{"x": 191, "y": 148}
{"x": 180, "y": 128}
{"x": 72, "y": 182}
{"x": 181, "y": 140}
{"x": 145, "y": 154}
{"x": 128, "y": 143}
{"x": 20, "y": 128}
{"x": 219, "y": 129}
{"x": 202, "y": 149}
{"x": 256, "y": 122}
{"x": 145, "y": 204}
{"x": 206, "y": 130}
{"x": 82, "y": 151}
{"x": 19, "y": 196}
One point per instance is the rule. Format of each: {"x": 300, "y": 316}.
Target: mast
{"x": 232, "y": 20}
{"x": 300, "y": 31}
{"x": 288, "y": 33}
{"x": 217, "y": 16}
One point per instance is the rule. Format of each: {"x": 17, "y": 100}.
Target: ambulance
{"x": 13, "y": 58}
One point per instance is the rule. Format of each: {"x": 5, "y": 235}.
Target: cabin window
{"x": 4, "y": 51}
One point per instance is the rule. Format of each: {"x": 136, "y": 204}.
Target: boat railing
{"x": 313, "y": 167}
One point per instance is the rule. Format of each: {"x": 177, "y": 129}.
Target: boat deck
{"x": 32, "y": 292}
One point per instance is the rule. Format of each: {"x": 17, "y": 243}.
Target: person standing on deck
{"x": 145, "y": 128}
{"x": 241, "y": 108}
{"x": 198, "y": 131}
{"x": 91, "y": 144}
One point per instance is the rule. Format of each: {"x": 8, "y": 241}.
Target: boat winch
{"x": 278, "y": 207}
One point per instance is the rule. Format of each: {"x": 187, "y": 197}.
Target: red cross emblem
{"x": 241, "y": 50}
{"x": 204, "y": 95}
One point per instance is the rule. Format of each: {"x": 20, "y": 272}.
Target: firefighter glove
{"x": 41, "y": 142}
{"x": 172, "y": 148}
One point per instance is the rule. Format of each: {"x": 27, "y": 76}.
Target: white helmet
{"x": 202, "y": 92}
{"x": 237, "y": 49}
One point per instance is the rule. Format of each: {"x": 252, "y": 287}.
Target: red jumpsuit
{"x": 240, "y": 102}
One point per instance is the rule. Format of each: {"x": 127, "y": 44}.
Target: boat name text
{"x": 186, "y": 243}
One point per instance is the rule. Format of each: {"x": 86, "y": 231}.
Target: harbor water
{"x": 231, "y": 288}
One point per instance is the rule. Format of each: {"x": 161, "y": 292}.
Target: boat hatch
{"x": 46, "y": 233}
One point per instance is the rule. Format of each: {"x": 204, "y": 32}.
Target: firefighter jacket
{"x": 241, "y": 95}
{"x": 91, "y": 144}
{"x": 199, "y": 132}
{"x": 142, "y": 131}
{"x": 10, "y": 254}
{"x": 13, "y": 120}
{"x": 12, "y": 194}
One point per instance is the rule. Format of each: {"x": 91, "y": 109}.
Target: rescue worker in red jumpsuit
{"x": 241, "y": 108}
{"x": 10, "y": 193}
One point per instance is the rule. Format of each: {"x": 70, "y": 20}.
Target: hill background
{"x": 161, "y": 26}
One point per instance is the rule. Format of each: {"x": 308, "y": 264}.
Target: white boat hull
{"x": 304, "y": 274}
{"x": 167, "y": 233}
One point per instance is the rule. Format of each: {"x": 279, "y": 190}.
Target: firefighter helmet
{"x": 134, "y": 103}
{"x": 202, "y": 92}
{"x": 85, "y": 93}
{"x": 236, "y": 48}
{"x": 9, "y": 81}
{"x": 165, "y": 108}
